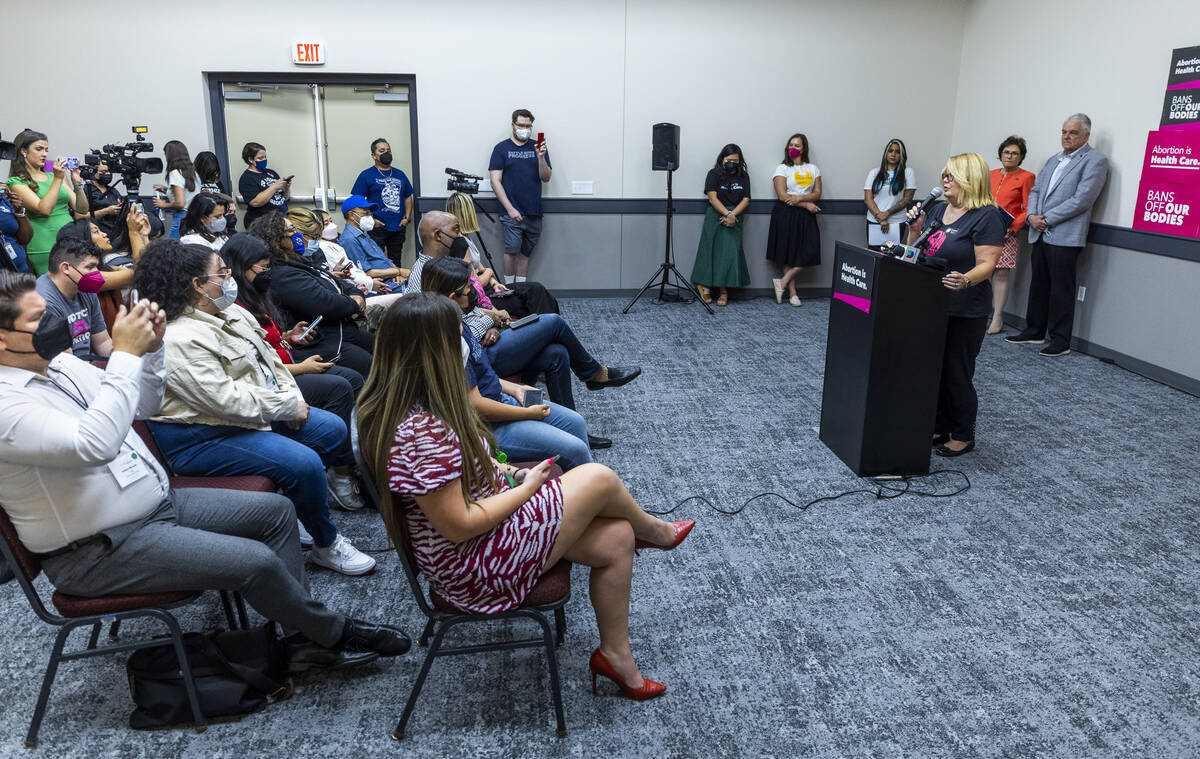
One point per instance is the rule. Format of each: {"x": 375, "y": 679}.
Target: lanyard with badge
{"x": 127, "y": 468}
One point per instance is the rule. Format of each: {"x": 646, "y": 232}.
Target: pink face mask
{"x": 793, "y": 153}
{"x": 92, "y": 282}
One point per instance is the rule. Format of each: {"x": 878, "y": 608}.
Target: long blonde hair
{"x": 418, "y": 362}
{"x": 463, "y": 208}
{"x": 972, "y": 174}
{"x": 306, "y": 222}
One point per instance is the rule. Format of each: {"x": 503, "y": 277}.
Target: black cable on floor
{"x": 881, "y": 491}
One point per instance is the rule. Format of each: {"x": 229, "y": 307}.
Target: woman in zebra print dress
{"x": 482, "y": 544}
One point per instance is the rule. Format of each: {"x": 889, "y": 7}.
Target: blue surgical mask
{"x": 229, "y": 293}
{"x": 298, "y": 244}
{"x": 261, "y": 165}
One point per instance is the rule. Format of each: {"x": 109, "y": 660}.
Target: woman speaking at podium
{"x": 969, "y": 232}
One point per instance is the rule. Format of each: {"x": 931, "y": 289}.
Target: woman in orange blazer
{"x": 1010, "y": 187}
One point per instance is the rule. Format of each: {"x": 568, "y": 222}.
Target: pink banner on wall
{"x": 1169, "y": 193}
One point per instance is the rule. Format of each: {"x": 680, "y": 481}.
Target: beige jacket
{"x": 217, "y": 373}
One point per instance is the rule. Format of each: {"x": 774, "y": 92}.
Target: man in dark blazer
{"x": 1060, "y": 212}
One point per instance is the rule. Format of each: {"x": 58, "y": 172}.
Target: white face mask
{"x": 329, "y": 232}
{"x": 366, "y": 223}
{"x": 466, "y": 350}
{"x": 523, "y": 134}
{"x": 216, "y": 226}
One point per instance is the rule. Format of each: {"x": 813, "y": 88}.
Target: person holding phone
{"x": 481, "y": 542}
{"x": 262, "y": 189}
{"x": 518, "y": 170}
{"x": 387, "y": 188}
{"x": 525, "y": 431}
{"x": 51, "y": 193}
{"x": 104, "y": 202}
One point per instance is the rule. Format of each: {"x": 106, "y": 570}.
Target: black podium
{"x": 883, "y": 361}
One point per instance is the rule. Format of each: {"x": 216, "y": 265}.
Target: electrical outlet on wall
{"x": 1082, "y": 292}
{"x": 581, "y": 187}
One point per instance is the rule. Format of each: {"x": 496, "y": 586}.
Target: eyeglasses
{"x": 947, "y": 177}
{"x": 222, "y": 274}
{"x": 1012, "y": 153}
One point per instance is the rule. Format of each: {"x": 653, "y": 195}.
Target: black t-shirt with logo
{"x": 956, "y": 243}
{"x": 251, "y": 184}
{"x": 730, "y": 188}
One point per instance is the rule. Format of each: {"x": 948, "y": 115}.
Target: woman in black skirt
{"x": 794, "y": 240}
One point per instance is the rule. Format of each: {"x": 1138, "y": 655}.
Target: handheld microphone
{"x": 465, "y": 175}
{"x": 933, "y": 195}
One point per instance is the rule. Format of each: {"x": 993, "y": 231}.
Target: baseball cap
{"x": 355, "y": 201}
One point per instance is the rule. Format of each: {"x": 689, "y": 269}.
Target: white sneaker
{"x": 343, "y": 557}
{"x": 343, "y": 490}
{"x": 794, "y": 300}
{"x": 306, "y": 540}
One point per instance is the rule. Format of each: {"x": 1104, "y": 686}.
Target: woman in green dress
{"x": 720, "y": 262}
{"x": 52, "y": 200}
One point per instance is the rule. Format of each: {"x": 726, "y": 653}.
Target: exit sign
{"x": 308, "y": 53}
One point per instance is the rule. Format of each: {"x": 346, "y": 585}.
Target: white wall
{"x": 597, "y": 75}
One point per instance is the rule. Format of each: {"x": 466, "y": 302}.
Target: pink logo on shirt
{"x": 935, "y": 242}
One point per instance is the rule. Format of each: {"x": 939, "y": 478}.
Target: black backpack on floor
{"x": 236, "y": 672}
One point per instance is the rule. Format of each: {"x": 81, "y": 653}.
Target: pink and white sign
{"x": 1169, "y": 194}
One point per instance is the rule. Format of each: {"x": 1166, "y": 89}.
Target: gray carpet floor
{"x": 1051, "y": 610}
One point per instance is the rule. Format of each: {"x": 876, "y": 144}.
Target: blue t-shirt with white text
{"x": 388, "y": 191}
{"x": 521, "y": 181}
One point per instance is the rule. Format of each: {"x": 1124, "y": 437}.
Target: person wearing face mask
{"x": 70, "y": 288}
{"x": 359, "y": 245}
{"x": 104, "y": 202}
{"x": 793, "y": 239}
{"x": 208, "y": 171}
{"x": 720, "y": 261}
{"x": 205, "y": 223}
{"x": 391, "y": 194}
{"x": 303, "y": 288}
{"x": 231, "y": 407}
{"x": 262, "y": 189}
{"x": 517, "y": 171}
{"x": 332, "y": 257}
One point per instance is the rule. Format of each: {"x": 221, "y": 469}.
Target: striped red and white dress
{"x": 490, "y": 573}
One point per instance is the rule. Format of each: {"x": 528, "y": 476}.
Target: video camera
{"x": 123, "y": 159}
{"x": 8, "y": 151}
{"x": 461, "y": 181}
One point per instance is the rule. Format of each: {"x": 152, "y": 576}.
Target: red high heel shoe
{"x": 600, "y": 666}
{"x": 681, "y": 531}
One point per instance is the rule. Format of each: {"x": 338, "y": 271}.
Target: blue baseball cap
{"x": 355, "y": 201}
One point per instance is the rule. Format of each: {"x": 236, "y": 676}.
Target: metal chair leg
{"x": 114, "y": 632}
{"x": 560, "y": 625}
{"x": 552, "y": 660}
{"x": 398, "y": 733}
{"x": 241, "y": 610}
{"x": 39, "y": 710}
{"x": 227, "y": 607}
{"x": 95, "y": 636}
{"x": 424, "y": 639}
{"x": 189, "y": 684}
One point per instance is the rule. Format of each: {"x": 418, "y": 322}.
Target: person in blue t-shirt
{"x": 389, "y": 190}
{"x": 517, "y": 171}
{"x": 15, "y": 231}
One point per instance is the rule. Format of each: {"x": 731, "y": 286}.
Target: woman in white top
{"x": 887, "y": 192}
{"x": 205, "y": 221}
{"x": 794, "y": 241}
{"x": 182, "y": 184}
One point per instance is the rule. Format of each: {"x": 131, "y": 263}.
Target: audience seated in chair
{"x": 480, "y": 542}
{"x": 69, "y": 288}
{"x": 304, "y": 289}
{"x": 524, "y": 433}
{"x": 86, "y": 494}
{"x": 231, "y": 406}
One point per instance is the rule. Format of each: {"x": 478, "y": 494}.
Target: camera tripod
{"x": 662, "y": 277}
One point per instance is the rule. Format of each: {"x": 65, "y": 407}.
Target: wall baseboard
{"x": 738, "y": 293}
{"x": 1146, "y": 369}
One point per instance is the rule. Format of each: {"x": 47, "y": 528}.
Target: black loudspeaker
{"x": 665, "y": 156}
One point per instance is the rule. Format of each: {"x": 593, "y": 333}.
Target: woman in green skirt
{"x": 720, "y": 262}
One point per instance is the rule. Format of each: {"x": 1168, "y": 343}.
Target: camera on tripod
{"x": 461, "y": 181}
{"x": 122, "y": 158}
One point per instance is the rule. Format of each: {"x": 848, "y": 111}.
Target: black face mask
{"x": 472, "y": 300}
{"x": 385, "y": 159}
{"x": 104, "y": 179}
{"x": 731, "y": 167}
{"x": 52, "y": 337}
{"x": 459, "y": 247}
{"x": 261, "y": 283}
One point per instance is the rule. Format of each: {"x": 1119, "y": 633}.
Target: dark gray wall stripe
{"x": 1184, "y": 248}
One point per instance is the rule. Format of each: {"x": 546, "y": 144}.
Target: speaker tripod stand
{"x": 667, "y": 268}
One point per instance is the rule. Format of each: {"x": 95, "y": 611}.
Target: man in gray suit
{"x": 1060, "y": 212}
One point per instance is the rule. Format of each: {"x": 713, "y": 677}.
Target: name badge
{"x": 127, "y": 468}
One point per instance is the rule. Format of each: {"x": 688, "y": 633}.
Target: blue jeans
{"x": 548, "y": 345}
{"x": 177, "y": 219}
{"x": 294, "y": 459}
{"x": 564, "y": 432}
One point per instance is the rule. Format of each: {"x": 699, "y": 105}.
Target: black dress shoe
{"x": 304, "y": 656}
{"x": 950, "y": 453}
{"x": 616, "y": 377}
{"x": 940, "y": 440}
{"x": 1025, "y": 338}
{"x": 596, "y": 443}
{"x": 384, "y": 640}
